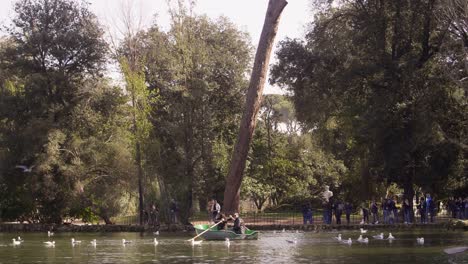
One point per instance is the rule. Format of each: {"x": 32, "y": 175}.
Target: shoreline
{"x": 15, "y": 227}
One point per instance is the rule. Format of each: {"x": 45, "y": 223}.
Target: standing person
{"x": 348, "y": 210}
{"x": 466, "y": 207}
{"x": 375, "y": 212}
{"x": 365, "y": 214}
{"x": 215, "y": 209}
{"x": 326, "y": 203}
{"x": 306, "y": 214}
{"x": 385, "y": 210}
{"x": 154, "y": 216}
{"x": 422, "y": 210}
{"x": 390, "y": 206}
{"x": 395, "y": 209}
{"x": 430, "y": 208}
{"x": 452, "y": 207}
{"x": 174, "y": 208}
{"x": 338, "y": 212}
{"x": 406, "y": 212}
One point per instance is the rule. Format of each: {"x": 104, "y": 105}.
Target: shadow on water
{"x": 278, "y": 247}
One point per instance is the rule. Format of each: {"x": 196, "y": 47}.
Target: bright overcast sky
{"x": 247, "y": 14}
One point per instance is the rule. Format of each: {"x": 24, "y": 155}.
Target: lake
{"x": 269, "y": 248}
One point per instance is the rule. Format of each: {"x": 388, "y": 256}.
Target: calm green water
{"x": 269, "y": 248}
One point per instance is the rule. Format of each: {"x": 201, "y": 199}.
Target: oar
{"x": 205, "y": 231}
{"x": 455, "y": 250}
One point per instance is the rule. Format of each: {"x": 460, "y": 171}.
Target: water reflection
{"x": 269, "y": 248}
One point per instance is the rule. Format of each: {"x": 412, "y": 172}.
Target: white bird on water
{"x": 227, "y": 242}
{"x": 75, "y": 242}
{"x": 24, "y": 168}
{"x": 49, "y": 234}
{"x": 420, "y": 240}
{"x": 155, "y": 242}
{"x": 16, "y": 242}
{"x": 93, "y": 243}
{"x": 194, "y": 242}
{"x": 363, "y": 231}
{"x": 338, "y": 237}
{"x": 363, "y": 240}
{"x": 156, "y": 233}
{"x": 379, "y": 236}
{"x": 347, "y": 242}
{"x": 50, "y": 243}
{"x": 125, "y": 242}
{"x": 284, "y": 230}
{"x": 390, "y": 236}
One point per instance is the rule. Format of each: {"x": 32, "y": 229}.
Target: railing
{"x": 296, "y": 218}
{"x": 291, "y": 218}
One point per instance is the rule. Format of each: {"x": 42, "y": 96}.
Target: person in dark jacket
{"x": 237, "y": 224}
{"x": 422, "y": 210}
{"x": 348, "y": 210}
{"x": 338, "y": 211}
{"x": 375, "y": 212}
{"x": 406, "y": 212}
{"x": 385, "y": 210}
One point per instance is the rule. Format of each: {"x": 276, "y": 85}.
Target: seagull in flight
{"x": 24, "y": 168}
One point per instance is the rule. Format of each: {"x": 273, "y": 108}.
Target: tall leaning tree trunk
{"x": 253, "y": 102}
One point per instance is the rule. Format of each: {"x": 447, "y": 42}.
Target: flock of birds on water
{"x": 349, "y": 241}
{"x": 360, "y": 239}
{"x": 365, "y": 240}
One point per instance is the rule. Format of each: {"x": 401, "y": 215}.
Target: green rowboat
{"x": 215, "y": 234}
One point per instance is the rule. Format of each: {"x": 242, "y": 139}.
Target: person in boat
{"x": 223, "y": 219}
{"x": 237, "y": 228}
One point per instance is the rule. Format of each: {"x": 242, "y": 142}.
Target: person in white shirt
{"x": 215, "y": 209}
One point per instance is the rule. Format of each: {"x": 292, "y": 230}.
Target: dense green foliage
{"x": 377, "y": 102}
{"x": 382, "y": 84}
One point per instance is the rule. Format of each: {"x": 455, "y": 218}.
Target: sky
{"x": 247, "y": 14}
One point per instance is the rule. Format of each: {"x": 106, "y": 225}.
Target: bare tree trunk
{"x": 140, "y": 183}
{"x": 253, "y": 102}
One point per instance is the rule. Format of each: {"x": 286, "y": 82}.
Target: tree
{"x": 196, "y": 70}
{"x": 253, "y": 101}
{"x": 61, "y": 119}
{"x": 374, "y": 70}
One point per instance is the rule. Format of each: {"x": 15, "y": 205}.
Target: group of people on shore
{"x": 426, "y": 208}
